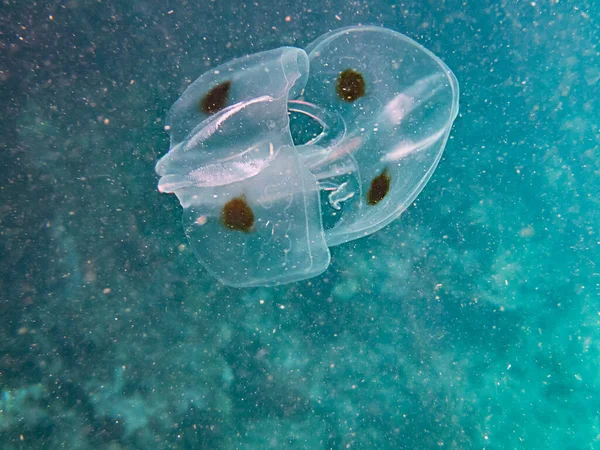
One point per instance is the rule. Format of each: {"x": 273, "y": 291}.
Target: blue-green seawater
{"x": 472, "y": 322}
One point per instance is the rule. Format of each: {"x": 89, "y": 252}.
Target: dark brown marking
{"x": 350, "y": 85}
{"x": 237, "y": 215}
{"x": 216, "y": 99}
{"x": 380, "y": 186}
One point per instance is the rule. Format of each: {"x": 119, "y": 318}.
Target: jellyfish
{"x": 277, "y": 156}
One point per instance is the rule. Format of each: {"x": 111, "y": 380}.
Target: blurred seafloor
{"x": 470, "y": 322}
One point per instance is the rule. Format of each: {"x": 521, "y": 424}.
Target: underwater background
{"x": 472, "y": 321}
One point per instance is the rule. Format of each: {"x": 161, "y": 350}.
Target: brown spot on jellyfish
{"x": 216, "y": 99}
{"x": 380, "y": 186}
{"x": 350, "y": 85}
{"x": 237, "y": 215}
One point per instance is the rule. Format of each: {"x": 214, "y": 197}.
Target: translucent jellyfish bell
{"x": 261, "y": 206}
{"x": 397, "y": 102}
{"x": 251, "y": 209}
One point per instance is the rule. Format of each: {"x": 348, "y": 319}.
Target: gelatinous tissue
{"x": 279, "y": 155}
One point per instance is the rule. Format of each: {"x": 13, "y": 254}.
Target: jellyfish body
{"x": 261, "y": 206}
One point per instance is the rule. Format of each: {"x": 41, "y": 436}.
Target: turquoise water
{"x": 470, "y": 322}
